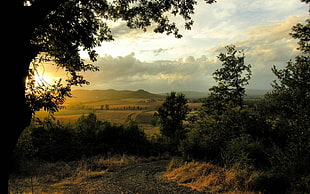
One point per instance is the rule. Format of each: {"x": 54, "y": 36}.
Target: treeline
{"x": 272, "y": 136}
{"x": 50, "y": 140}
{"x": 105, "y": 107}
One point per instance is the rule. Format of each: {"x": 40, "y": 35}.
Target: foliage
{"x": 273, "y": 139}
{"x": 290, "y": 97}
{"x": 301, "y": 32}
{"x": 286, "y": 109}
{"x": 53, "y": 141}
{"x": 171, "y": 115}
{"x": 235, "y": 136}
{"x": 231, "y": 78}
{"x": 271, "y": 142}
{"x": 58, "y": 30}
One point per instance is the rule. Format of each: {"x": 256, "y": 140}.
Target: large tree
{"x": 58, "y": 30}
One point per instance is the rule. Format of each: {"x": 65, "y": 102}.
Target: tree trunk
{"x": 16, "y": 56}
{"x": 17, "y": 115}
{"x": 18, "y": 24}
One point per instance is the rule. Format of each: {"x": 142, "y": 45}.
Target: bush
{"x": 232, "y": 137}
{"x": 52, "y": 141}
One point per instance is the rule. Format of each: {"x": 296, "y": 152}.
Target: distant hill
{"x": 98, "y": 95}
{"x": 251, "y": 93}
{"x": 256, "y": 93}
{"x": 190, "y": 94}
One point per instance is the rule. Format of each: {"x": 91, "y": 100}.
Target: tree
{"x": 287, "y": 109}
{"x": 290, "y": 97}
{"x": 171, "y": 114}
{"x": 231, "y": 78}
{"x": 58, "y": 30}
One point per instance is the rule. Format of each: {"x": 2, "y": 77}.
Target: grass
{"x": 121, "y": 110}
{"x": 58, "y": 177}
{"x": 210, "y": 178}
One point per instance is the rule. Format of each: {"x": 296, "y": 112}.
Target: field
{"x": 114, "y": 106}
{"x": 121, "y": 106}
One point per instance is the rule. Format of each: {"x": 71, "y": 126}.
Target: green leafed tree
{"x": 231, "y": 78}
{"x": 57, "y": 30}
{"x": 171, "y": 115}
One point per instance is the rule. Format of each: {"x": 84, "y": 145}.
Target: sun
{"x": 43, "y": 73}
{"x": 42, "y": 79}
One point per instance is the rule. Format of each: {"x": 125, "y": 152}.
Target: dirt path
{"x": 130, "y": 117}
{"x": 137, "y": 178}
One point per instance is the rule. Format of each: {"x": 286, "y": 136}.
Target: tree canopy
{"x": 58, "y": 30}
{"x": 290, "y": 97}
{"x": 172, "y": 113}
{"x": 231, "y": 78}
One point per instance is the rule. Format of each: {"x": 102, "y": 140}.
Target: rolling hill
{"x": 100, "y": 95}
{"x": 85, "y": 96}
{"x": 250, "y": 93}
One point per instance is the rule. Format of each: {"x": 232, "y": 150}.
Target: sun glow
{"x": 43, "y": 75}
{"x": 43, "y": 72}
{"x": 42, "y": 79}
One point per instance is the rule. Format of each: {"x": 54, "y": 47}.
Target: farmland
{"x": 115, "y": 106}
{"x": 121, "y": 106}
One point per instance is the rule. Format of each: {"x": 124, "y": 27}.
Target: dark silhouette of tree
{"x": 287, "y": 110}
{"x": 59, "y": 29}
{"x": 171, "y": 115}
{"x": 231, "y": 78}
{"x": 290, "y": 97}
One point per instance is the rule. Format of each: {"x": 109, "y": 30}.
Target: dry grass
{"x": 59, "y": 177}
{"x": 210, "y": 178}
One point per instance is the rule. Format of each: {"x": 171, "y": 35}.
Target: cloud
{"x": 128, "y": 72}
{"x": 266, "y": 46}
{"x": 158, "y": 62}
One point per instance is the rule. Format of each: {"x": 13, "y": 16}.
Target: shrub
{"x": 52, "y": 141}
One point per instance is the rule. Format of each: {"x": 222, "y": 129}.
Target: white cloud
{"x": 158, "y": 62}
{"x": 128, "y": 72}
{"x": 264, "y": 46}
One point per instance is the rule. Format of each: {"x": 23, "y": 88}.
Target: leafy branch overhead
{"x": 62, "y": 28}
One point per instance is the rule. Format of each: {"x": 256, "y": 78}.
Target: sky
{"x": 161, "y": 63}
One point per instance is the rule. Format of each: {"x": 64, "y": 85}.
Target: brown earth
{"x": 138, "y": 178}
{"x": 142, "y": 177}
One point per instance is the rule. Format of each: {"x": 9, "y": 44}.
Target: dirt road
{"x": 138, "y": 178}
